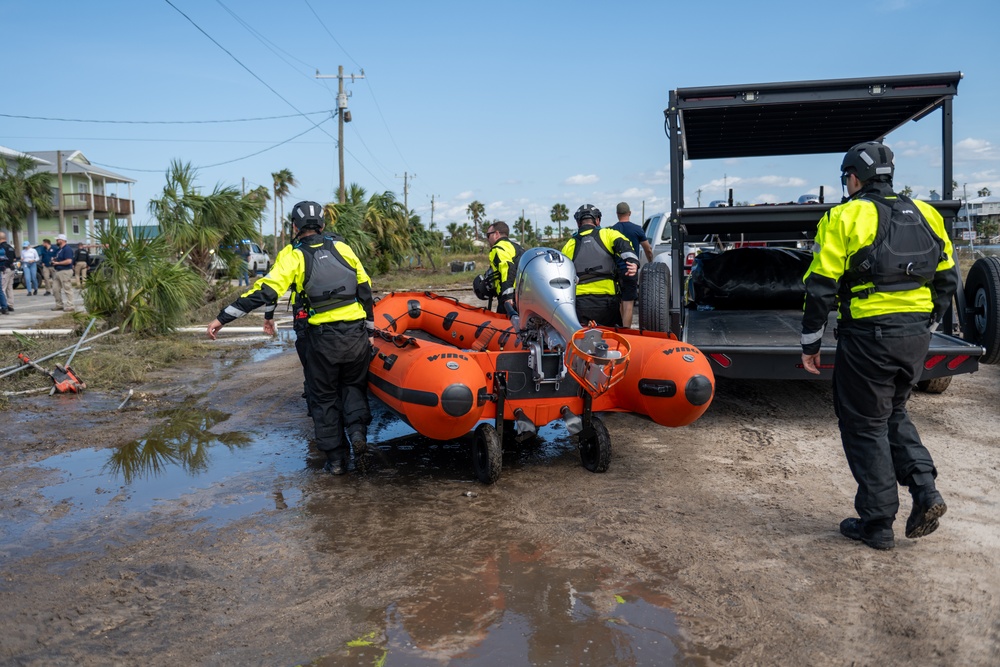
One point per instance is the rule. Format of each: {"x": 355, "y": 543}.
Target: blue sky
{"x": 519, "y": 105}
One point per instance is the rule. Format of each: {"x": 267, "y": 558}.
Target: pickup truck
{"x": 799, "y": 118}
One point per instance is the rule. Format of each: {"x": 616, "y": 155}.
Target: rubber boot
{"x": 875, "y": 536}
{"x": 928, "y": 506}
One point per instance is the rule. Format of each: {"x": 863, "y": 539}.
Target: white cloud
{"x": 976, "y": 149}
{"x": 771, "y": 181}
{"x": 582, "y": 179}
{"x": 658, "y": 177}
{"x": 637, "y": 193}
{"x": 465, "y": 195}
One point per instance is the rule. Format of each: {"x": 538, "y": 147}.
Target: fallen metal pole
{"x": 128, "y": 396}
{"x": 22, "y": 393}
{"x": 80, "y": 342}
{"x": 10, "y": 370}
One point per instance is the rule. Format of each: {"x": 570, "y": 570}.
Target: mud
{"x": 197, "y": 527}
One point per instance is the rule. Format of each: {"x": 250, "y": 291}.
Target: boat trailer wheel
{"x": 487, "y": 454}
{"x": 595, "y": 448}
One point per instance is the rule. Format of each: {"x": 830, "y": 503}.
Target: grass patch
{"x": 426, "y": 278}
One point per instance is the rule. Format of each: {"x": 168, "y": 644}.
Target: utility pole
{"x": 406, "y": 193}
{"x": 432, "y": 213}
{"x": 62, "y": 210}
{"x": 343, "y": 116}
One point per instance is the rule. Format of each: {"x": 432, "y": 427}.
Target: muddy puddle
{"x": 505, "y": 601}
{"x": 472, "y": 589}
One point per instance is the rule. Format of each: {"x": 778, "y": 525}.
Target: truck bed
{"x": 765, "y": 344}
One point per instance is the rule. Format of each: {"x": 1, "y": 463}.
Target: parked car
{"x": 258, "y": 261}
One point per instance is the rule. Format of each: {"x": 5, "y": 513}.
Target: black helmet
{"x": 587, "y": 211}
{"x": 307, "y": 214}
{"x": 869, "y": 160}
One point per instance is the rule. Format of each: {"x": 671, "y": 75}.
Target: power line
{"x": 161, "y": 122}
{"x": 331, "y": 34}
{"x": 370, "y": 89}
{"x": 240, "y": 63}
{"x": 271, "y": 46}
{"x": 219, "y": 164}
{"x": 251, "y": 72}
{"x": 159, "y": 140}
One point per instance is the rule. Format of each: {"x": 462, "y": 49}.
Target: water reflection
{"x": 520, "y": 603}
{"x": 183, "y": 440}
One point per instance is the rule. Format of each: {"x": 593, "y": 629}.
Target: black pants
{"x": 605, "y": 309}
{"x": 872, "y": 380}
{"x": 338, "y": 356}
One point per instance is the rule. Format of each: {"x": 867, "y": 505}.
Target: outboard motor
{"x": 546, "y": 320}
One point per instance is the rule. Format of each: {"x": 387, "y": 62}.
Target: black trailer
{"x": 799, "y": 118}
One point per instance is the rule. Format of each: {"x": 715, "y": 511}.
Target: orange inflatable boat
{"x": 445, "y": 367}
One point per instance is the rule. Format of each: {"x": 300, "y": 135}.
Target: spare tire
{"x": 654, "y": 297}
{"x": 982, "y": 307}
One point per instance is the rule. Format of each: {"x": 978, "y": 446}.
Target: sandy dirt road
{"x": 712, "y": 544}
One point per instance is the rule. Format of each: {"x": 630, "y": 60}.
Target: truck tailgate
{"x": 764, "y": 344}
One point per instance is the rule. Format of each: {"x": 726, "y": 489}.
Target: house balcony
{"x": 102, "y": 204}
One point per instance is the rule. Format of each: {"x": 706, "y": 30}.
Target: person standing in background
{"x": 45, "y": 254}
{"x": 81, "y": 262}
{"x": 29, "y": 268}
{"x": 62, "y": 280}
{"x": 7, "y": 257}
{"x": 637, "y": 237}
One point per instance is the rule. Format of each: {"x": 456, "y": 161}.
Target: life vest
{"x": 330, "y": 282}
{"x": 592, "y": 259}
{"x": 903, "y": 256}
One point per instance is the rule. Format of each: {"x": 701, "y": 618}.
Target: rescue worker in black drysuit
{"x": 335, "y": 291}
{"x": 498, "y": 281}
{"x": 888, "y": 261}
{"x": 594, "y": 250}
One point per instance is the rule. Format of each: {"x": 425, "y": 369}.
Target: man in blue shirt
{"x": 45, "y": 254}
{"x": 635, "y": 236}
{"x": 62, "y": 279}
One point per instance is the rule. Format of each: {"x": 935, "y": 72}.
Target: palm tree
{"x": 284, "y": 181}
{"x": 141, "y": 286}
{"x": 477, "y": 213}
{"x": 422, "y": 240}
{"x": 985, "y": 192}
{"x": 559, "y": 215}
{"x": 348, "y": 220}
{"x": 198, "y": 225}
{"x": 385, "y": 221}
{"x": 20, "y": 191}
{"x": 260, "y": 196}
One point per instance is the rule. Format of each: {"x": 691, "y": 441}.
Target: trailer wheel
{"x": 487, "y": 454}
{"x": 654, "y": 297}
{"x": 935, "y": 385}
{"x": 982, "y": 300}
{"x": 595, "y": 451}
